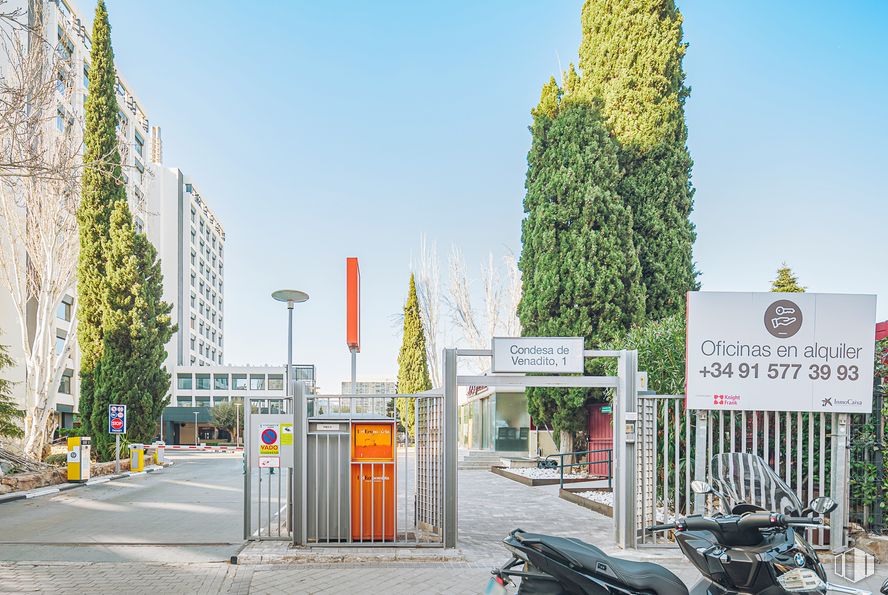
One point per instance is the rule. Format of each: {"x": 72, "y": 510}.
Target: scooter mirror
{"x": 700, "y": 487}
{"x": 823, "y": 505}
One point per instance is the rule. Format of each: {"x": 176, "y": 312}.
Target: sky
{"x": 322, "y": 130}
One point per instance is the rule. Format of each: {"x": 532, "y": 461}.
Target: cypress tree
{"x": 10, "y": 415}
{"x": 102, "y": 187}
{"x": 786, "y": 281}
{"x": 413, "y": 369}
{"x": 136, "y": 327}
{"x": 580, "y": 269}
{"x": 631, "y": 59}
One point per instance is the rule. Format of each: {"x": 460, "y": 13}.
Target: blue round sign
{"x": 269, "y": 436}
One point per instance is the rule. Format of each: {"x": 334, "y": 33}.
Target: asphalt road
{"x": 190, "y": 512}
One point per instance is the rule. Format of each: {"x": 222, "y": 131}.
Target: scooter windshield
{"x": 744, "y": 478}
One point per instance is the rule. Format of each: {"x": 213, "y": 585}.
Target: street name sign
{"x": 117, "y": 419}
{"x": 555, "y": 355}
{"x": 780, "y": 351}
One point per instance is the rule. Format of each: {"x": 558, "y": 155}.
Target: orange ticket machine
{"x": 374, "y": 489}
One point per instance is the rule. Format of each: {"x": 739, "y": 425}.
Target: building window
{"x": 183, "y": 382}
{"x": 189, "y": 190}
{"x": 257, "y": 381}
{"x": 193, "y": 236}
{"x": 218, "y": 400}
{"x": 60, "y": 342}
{"x": 139, "y": 225}
{"x": 193, "y": 277}
{"x": 192, "y": 321}
{"x": 65, "y": 383}
{"x": 275, "y": 382}
{"x": 140, "y": 145}
{"x": 183, "y": 401}
{"x": 220, "y": 381}
{"x": 60, "y": 120}
{"x": 203, "y": 381}
{"x": 192, "y": 343}
{"x": 63, "y": 312}
{"x": 201, "y": 401}
{"x": 239, "y": 381}
{"x": 193, "y": 359}
{"x": 86, "y": 76}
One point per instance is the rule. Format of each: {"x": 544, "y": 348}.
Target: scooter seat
{"x": 641, "y": 576}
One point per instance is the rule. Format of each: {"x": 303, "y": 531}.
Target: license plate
{"x": 494, "y": 588}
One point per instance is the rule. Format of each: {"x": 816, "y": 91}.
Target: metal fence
{"x": 800, "y": 447}
{"x": 595, "y": 461}
{"x": 384, "y": 501}
{"x": 267, "y": 491}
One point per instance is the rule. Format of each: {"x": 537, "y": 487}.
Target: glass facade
{"x": 497, "y": 422}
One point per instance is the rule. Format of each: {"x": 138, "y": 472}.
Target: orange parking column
{"x": 374, "y": 488}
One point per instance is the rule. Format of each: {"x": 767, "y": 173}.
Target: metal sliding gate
{"x": 267, "y": 489}
{"x": 676, "y": 446}
{"x": 364, "y": 483}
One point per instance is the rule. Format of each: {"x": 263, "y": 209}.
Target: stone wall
{"x": 20, "y": 482}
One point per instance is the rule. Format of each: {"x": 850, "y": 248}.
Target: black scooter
{"x": 749, "y": 550}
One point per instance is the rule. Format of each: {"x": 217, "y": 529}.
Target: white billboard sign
{"x": 555, "y": 355}
{"x": 780, "y": 351}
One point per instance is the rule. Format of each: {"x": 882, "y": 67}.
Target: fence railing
{"x": 607, "y": 458}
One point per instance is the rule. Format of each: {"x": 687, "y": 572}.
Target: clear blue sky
{"x": 320, "y": 130}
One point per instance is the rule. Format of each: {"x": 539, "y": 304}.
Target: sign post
{"x": 117, "y": 426}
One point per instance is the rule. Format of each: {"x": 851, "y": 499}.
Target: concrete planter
{"x": 570, "y": 494}
{"x": 533, "y": 482}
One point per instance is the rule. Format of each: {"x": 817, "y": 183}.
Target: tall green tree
{"x": 631, "y": 60}
{"x": 413, "y": 370}
{"x": 103, "y": 186}
{"x": 786, "y": 281}
{"x": 11, "y": 416}
{"x": 580, "y": 269}
{"x": 136, "y": 328}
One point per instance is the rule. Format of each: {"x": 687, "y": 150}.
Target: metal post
{"x": 195, "y": 429}
{"x": 354, "y": 378}
{"x": 116, "y": 453}
{"x": 700, "y": 458}
{"x": 299, "y": 464}
{"x": 236, "y": 425}
{"x": 450, "y": 448}
{"x": 248, "y": 472}
{"x": 837, "y": 536}
{"x": 624, "y": 449}
{"x": 161, "y": 425}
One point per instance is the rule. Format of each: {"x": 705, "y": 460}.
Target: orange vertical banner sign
{"x": 353, "y": 304}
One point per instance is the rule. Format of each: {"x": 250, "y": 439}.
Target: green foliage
{"x": 413, "y": 370}
{"x": 786, "y": 281}
{"x": 580, "y": 270}
{"x": 227, "y": 416}
{"x": 136, "y": 327}
{"x": 102, "y": 187}
{"x": 58, "y": 459}
{"x": 631, "y": 60}
{"x": 10, "y": 415}
{"x": 661, "y": 353}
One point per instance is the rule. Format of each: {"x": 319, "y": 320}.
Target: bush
{"x": 57, "y": 459}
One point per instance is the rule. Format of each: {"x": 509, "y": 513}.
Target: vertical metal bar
{"x": 655, "y": 451}
{"x": 701, "y": 457}
{"x": 733, "y": 447}
{"x": 270, "y": 478}
{"x": 450, "y": 448}
{"x": 839, "y": 486}
{"x": 338, "y": 485}
{"x": 665, "y": 405}
{"x": 416, "y": 503}
{"x": 300, "y": 431}
{"x": 361, "y": 501}
{"x": 755, "y": 433}
{"x": 248, "y": 471}
{"x": 709, "y": 453}
{"x": 687, "y": 458}
{"x": 384, "y": 503}
{"x": 810, "y": 456}
{"x": 677, "y": 441}
{"x": 799, "y": 450}
{"x": 259, "y": 505}
{"x": 777, "y": 443}
{"x": 788, "y": 457}
{"x": 822, "y": 471}
{"x": 317, "y": 483}
{"x": 329, "y": 483}
{"x": 372, "y": 502}
{"x": 743, "y": 431}
{"x": 278, "y": 509}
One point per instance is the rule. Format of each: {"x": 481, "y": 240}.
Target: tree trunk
{"x": 566, "y": 445}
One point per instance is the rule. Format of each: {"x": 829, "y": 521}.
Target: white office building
{"x": 190, "y": 242}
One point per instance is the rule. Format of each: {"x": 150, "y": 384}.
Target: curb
{"x": 64, "y": 487}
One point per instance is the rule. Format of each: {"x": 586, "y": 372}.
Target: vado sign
{"x": 557, "y": 355}
{"x": 780, "y": 351}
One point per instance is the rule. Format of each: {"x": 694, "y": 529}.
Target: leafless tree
{"x": 40, "y": 145}
{"x": 500, "y": 297}
{"x": 428, "y": 290}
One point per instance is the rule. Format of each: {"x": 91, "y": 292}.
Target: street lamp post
{"x": 195, "y": 429}
{"x": 291, "y": 297}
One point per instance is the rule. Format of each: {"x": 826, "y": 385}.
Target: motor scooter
{"x": 757, "y": 546}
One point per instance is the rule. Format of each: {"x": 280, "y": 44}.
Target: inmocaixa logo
{"x": 854, "y": 565}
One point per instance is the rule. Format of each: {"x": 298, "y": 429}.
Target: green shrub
{"x": 58, "y": 459}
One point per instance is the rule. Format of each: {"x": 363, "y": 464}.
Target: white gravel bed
{"x": 606, "y": 498}
{"x": 533, "y": 473}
